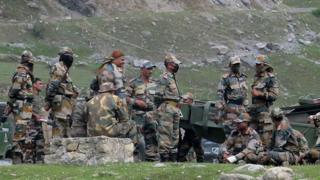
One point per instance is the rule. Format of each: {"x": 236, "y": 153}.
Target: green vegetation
{"x": 134, "y": 171}
{"x": 316, "y": 13}
{"x": 303, "y": 3}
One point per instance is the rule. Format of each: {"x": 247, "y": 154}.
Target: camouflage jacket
{"x": 79, "y": 121}
{"x": 109, "y": 72}
{"x": 268, "y": 84}
{"x": 239, "y": 144}
{"x": 233, "y": 89}
{"x": 167, "y": 87}
{"x": 60, "y": 82}
{"x": 137, "y": 89}
{"x": 284, "y": 138}
{"x": 20, "y": 92}
{"x": 103, "y": 112}
{"x": 38, "y": 103}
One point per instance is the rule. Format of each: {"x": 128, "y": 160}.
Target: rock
{"x": 247, "y": 3}
{"x": 235, "y": 177}
{"x": 278, "y": 173}
{"x": 146, "y": 34}
{"x": 84, "y": 7}
{"x": 222, "y": 49}
{"x": 89, "y": 150}
{"x": 310, "y": 36}
{"x": 304, "y": 42}
{"x": 159, "y": 165}
{"x": 252, "y": 168}
{"x": 291, "y": 37}
{"x": 33, "y": 5}
{"x": 273, "y": 46}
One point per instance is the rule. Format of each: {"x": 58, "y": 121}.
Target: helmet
{"x": 170, "y": 58}
{"x": 26, "y": 57}
{"x": 65, "y": 50}
{"x": 277, "y": 114}
{"x": 66, "y": 56}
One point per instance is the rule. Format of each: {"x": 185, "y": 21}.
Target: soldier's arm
{"x": 221, "y": 94}
{"x": 130, "y": 93}
{"x": 272, "y": 92}
{"x": 79, "y": 122}
{"x": 121, "y": 110}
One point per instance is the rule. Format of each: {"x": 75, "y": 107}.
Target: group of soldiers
{"x": 147, "y": 111}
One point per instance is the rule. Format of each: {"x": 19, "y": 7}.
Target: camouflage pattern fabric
{"x": 79, "y": 123}
{"x": 232, "y": 98}
{"x": 109, "y": 72}
{"x": 245, "y": 146}
{"x": 168, "y": 117}
{"x": 287, "y": 145}
{"x": 107, "y": 116}
{"x": 137, "y": 89}
{"x": 190, "y": 140}
{"x": 260, "y": 110}
{"x": 61, "y": 95}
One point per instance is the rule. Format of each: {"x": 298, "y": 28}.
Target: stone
{"x": 146, "y": 34}
{"x": 304, "y": 42}
{"x": 235, "y": 177}
{"x": 252, "y": 168}
{"x": 273, "y": 46}
{"x": 278, "y": 173}
{"x": 84, "y": 7}
{"x": 222, "y": 49}
{"x": 89, "y": 150}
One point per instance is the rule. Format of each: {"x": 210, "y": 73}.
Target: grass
{"x": 134, "y": 171}
{"x": 303, "y": 3}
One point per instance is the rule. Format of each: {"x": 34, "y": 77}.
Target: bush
{"x": 38, "y": 29}
{"x": 316, "y": 12}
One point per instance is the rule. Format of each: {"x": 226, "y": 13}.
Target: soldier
{"x": 107, "y": 116}
{"x": 20, "y": 104}
{"x": 232, "y": 94}
{"x": 37, "y": 118}
{"x": 112, "y": 70}
{"x": 288, "y": 146}
{"x": 141, "y": 91}
{"x": 61, "y": 94}
{"x": 243, "y": 144}
{"x": 265, "y": 90}
{"x": 190, "y": 138}
{"x": 79, "y": 123}
{"x": 314, "y": 154}
{"x": 168, "y": 114}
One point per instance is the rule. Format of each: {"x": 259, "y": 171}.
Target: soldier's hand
{"x": 141, "y": 103}
{"x": 256, "y": 92}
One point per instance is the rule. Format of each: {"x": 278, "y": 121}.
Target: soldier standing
{"x": 288, "y": 146}
{"x": 61, "y": 93}
{"x": 190, "y": 138}
{"x": 168, "y": 113}
{"x": 265, "y": 90}
{"x": 107, "y": 116}
{"x": 20, "y": 104}
{"x": 243, "y": 144}
{"x": 141, "y": 91}
{"x": 112, "y": 70}
{"x": 314, "y": 154}
{"x": 232, "y": 94}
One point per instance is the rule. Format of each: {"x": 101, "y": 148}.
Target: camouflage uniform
{"x": 267, "y": 84}
{"x": 232, "y": 96}
{"x": 106, "y": 116}
{"x": 190, "y": 139}
{"x": 244, "y": 146}
{"x": 314, "y": 154}
{"x": 137, "y": 89}
{"x": 79, "y": 123}
{"x": 61, "y": 96}
{"x": 168, "y": 114}
{"x": 287, "y": 145}
{"x": 21, "y": 98}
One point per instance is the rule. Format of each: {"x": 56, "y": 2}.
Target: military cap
{"x": 106, "y": 87}
{"x": 170, "y": 58}
{"x": 65, "y": 50}
{"x": 114, "y": 55}
{"x": 26, "y": 57}
{"x": 148, "y": 64}
{"x": 261, "y": 59}
{"x": 188, "y": 95}
{"x": 234, "y": 60}
{"x": 243, "y": 117}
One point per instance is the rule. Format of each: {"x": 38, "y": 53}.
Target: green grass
{"x": 134, "y": 171}
{"x": 303, "y": 3}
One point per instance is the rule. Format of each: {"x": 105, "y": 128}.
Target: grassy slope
{"x": 133, "y": 171}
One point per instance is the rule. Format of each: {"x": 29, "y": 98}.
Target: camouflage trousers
{"x": 61, "y": 128}
{"x": 248, "y": 155}
{"x": 139, "y": 119}
{"x": 28, "y": 143}
{"x": 168, "y": 118}
{"x": 279, "y": 158}
{"x": 262, "y": 123}
{"x": 151, "y": 137}
{"x": 190, "y": 140}
{"x": 126, "y": 129}
{"x": 313, "y": 155}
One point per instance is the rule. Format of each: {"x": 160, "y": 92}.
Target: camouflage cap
{"x": 261, "y": 59}
{"x": 26, "y": 57}
{"x": 148, "y": 64}
{"x": 170, "y": 58}
{"x": 66, "y": 50}
{"x": 234, "y": 60}
{"x": 106, "y": 87}
{"x": 188, "y": 95}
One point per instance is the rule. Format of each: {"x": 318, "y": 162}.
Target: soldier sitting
{"x": 313, "y": 155}
{"x": 288, "y": 146}
{"x": 243, "y": 144}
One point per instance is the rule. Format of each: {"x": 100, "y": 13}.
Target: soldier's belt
{"x": 172, "y": 103}
{"x": 236, "y": 102}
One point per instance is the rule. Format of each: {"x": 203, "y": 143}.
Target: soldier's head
{"x": 147, "y": 68}
{"x": 37, "y": 84}
{"x": 277, "y": 115}
{"x": 107, "y": 87}
{"x": 262, "y": 65}
{"x": 171, "y": 63}
{"x": 117, "y": 58}
{"x": 187, "y": 98}
{"x": 27, "y": 59}
{"x": 234, "y": 64}
{"x": 242, "y": 122}
{"x": 66, "y": 56}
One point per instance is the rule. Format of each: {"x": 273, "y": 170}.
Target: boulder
{"x": 89, "y": 150}
{"x": 251, "y": 168}
{"x": 222, "y": 49}
{"x": 278, "y": 173}
{"x": 235, "y": 177}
